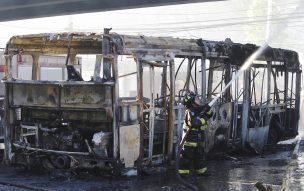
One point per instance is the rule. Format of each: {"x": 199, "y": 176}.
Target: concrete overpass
{"x": 25, "y": 9}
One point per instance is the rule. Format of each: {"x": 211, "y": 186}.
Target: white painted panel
{"x": 25, "y": 72}
{"x": 48, "y": 73}
{"x": 129, "y": 144}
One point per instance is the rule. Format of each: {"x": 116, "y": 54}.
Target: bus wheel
{"x": 273, "y": 136}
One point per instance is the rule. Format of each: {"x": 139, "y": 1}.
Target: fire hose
{"x": 245, "y": 66}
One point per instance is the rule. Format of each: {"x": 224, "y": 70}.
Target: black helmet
{"x": 189, "y": 98}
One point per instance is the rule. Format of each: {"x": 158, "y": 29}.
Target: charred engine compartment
{"x": 66, "y": 126}
{"x": 63, "y": 145}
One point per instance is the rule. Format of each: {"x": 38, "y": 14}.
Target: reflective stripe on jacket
{"x": 195, "y": 123}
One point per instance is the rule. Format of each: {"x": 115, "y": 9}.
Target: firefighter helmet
{"x": 189, "y": 98}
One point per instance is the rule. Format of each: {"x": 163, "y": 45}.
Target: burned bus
{"x": 129, "y": 113}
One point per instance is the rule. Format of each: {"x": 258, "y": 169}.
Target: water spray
{"x": 256, "y": 54}
{"x": 244, "y": 67}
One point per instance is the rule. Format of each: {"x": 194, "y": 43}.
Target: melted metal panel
{"x": 219, "y": 124}
{"x": 35, "y": 95}
{"x": 86, "y": 96}
{"x": 257, "y": 137}
{"x": 64, "y": 95}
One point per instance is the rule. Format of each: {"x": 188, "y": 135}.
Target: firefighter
{"x": 196, "y": 116}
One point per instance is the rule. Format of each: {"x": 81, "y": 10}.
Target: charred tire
{"x": 117, "y": 166}
{"x": 1, "y": 155}
{"x": 273, "y": 136}
{"x": 62, "y": 162}
{"x": 274, "y": 131}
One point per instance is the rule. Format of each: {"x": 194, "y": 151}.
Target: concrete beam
{"x": 25, "y": 9}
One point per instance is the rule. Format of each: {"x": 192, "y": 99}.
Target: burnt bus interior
{"x": 263, "y": 103}
{"x": 130, "y": 113}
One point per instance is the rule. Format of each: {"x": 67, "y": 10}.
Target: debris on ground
{"x": 259, "y": 185}
{"x": 131, "y": 172}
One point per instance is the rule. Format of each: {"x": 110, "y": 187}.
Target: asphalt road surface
{"x": 237, "y": 172}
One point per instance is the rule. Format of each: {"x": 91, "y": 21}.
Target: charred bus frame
{"x": 57, "y": 122}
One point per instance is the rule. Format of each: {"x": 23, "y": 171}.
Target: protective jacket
{"x": 196, "y": 122}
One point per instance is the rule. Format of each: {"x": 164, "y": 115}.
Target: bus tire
{"x": 273, "y": 136}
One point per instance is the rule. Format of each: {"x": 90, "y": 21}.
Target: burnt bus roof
{"x": 237, "y": 53}
{"x": 90, "y": 43}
